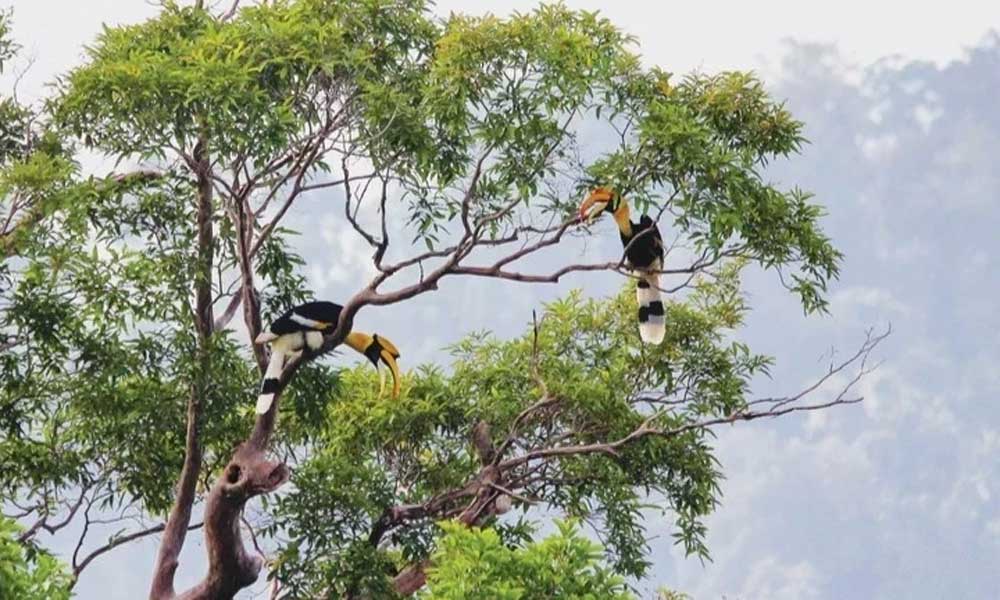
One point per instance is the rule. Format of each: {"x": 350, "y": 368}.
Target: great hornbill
{"x": 304, "y": 326}
{"x": 643, "y": 250}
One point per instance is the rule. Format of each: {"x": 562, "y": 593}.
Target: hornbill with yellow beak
{"x": 643, "y": 250}
{"x": 304, "y": 326}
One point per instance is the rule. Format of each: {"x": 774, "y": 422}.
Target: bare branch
{"x": 780, "y": 407}
{"x": 513, "y": 494}
{"x": 42, "y": 522}
{"x": 471, "y": 191}
{"x": 114, "y": 542}
{"x": 496, "y": 479}
{"x": 383, "y": 244}
{"x": 302, "y": 162}
{"x": 334, "y": 183}
{"x": 860, "y": 357}
{"x": 227, "y": 315}
{"x": 229, "y": 14}
{"x": 348, "y": 199}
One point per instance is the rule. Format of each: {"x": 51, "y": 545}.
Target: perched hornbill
{"x": 646, "y": 252}
{"x": 304, "y": 326}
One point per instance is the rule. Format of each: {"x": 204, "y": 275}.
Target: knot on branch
{"x": 250, "y": 474}
{"x": 230, "y": 566}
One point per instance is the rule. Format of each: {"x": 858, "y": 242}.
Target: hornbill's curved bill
{"x": 304, "y": 326}
{"x": 646, "y": 252}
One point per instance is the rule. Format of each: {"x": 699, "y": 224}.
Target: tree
{"x": 35, "y": 167}
{"x": 27, "y": 573}
{"x": 120, "y": 313}
{"x": 476, "y": 564}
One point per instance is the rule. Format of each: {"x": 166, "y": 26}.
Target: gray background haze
{"x": 896, "y": 498}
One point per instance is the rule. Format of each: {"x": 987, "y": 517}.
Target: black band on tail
{"x": 270, "y": 386}
{"x": 655, "y": 309}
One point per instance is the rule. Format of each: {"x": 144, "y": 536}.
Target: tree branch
{"x": 229, "y": 14}
{"x": 494, "y": 480}
{"x": 176, "y": 529}
{"x": 42, "y": 522}
{"x": 116, "y": 541}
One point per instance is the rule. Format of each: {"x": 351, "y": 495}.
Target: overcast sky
{"x": 896, "y": 498}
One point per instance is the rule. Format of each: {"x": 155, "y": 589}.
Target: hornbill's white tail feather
{"x": 265, "y": 337}
{"x": 652, "y": 323}
{"x": 270, "y": 385}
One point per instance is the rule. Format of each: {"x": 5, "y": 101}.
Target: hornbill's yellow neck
{"x": 377, "y": 348}
{"x": 622, "y": 217}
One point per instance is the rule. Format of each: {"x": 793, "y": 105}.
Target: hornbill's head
{"x": 599, "y": 200}
{"x": 377, "y": 349}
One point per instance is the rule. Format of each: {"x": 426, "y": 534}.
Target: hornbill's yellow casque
{"x": 646, "y": 252}
{"x": 304, "y": 326}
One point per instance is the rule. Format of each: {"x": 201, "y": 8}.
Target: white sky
{"x": 717, "y": 34}
{"x": 680, "y": 36}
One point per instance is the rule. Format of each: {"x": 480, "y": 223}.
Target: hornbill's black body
{"x": 643, "y": 251}
{"x": 304, "y": 326}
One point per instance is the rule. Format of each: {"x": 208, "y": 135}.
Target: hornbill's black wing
{"x": 646, "y": 222}
{"x": 317, "y": 315}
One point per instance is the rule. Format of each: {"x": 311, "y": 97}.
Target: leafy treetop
{"x": 118, "y": 292}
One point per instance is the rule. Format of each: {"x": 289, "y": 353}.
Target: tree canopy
{"x": 26, "y": 572}
{"x": 476, "y": 564}
{"x": 452, "y": 147}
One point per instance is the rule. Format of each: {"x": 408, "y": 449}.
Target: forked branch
{"x": 506, "y": 478}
